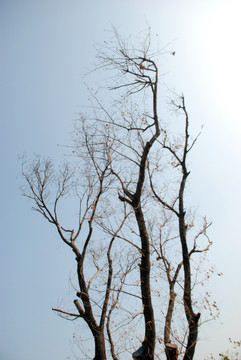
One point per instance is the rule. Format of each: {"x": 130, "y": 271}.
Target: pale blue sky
{"x": 46, "y": 46}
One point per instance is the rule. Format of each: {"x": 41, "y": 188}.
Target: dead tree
{"x": 133, "y": 198}
{"x": 42, "y": 184}
{"x": 126, "y": 152}
{"x": 133, "y": 138}
{"x": 178, "y": 151}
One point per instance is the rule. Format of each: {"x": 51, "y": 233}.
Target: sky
{"x": 46, "y": 47}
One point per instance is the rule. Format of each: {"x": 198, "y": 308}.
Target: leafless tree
{"x": 132, "y": 194}
{"x": 47, "y": 189}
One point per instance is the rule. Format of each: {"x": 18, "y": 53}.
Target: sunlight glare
{"x": 221, "y": 43}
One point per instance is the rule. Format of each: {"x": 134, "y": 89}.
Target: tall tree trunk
{"x": 100, "y": 353}
{"x": 192, "y": 318}
{"x": 167, "y": 329}
{"x": 145, "y": 267}
{"x": 192, "y": 337}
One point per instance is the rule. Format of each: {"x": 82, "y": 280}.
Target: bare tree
{"x": 178, "y": 150}
{"x": 46, "y": 189}
{"x": 133, "y": 195}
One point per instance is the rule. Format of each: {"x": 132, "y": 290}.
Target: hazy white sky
{"x": 46, "y": 47}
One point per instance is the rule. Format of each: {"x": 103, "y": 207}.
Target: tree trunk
{"x": 171, "y": 351}
{"x": 192, "y": 337}
{"x": 167, "y": 328}
{"x": 192, "y": 318}
{"x": 145, "y": 267}
{"x": 100, "y": 353}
